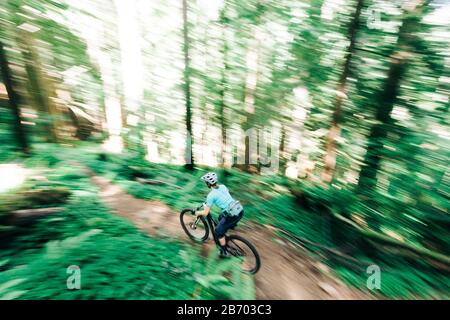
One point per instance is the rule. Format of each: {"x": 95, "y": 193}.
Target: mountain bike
{"x": 199, "y": 228}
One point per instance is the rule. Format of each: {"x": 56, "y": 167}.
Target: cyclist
{"x": 231, "y": 210}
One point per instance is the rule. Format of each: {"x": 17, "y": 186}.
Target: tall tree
{"x": 253, "y": 59}
{"x": 223, "y": 80}
{"x": 399, "y": 60}
{"x": 330, "y": 154}
{"x": 282, "y": 148}
{"x": 187, "y": 90}
{"x": 14, "y": 101}
{"x": 39, "y": 85}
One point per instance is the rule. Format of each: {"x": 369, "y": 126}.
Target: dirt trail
{"x": 286, "y": 272}
{"x": 153, "y": 217}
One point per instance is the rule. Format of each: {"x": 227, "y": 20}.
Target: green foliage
{"x": 33, "y": 197}
{"x": 221, "y": 279}
{"x": 391, "y": 173}
{"x": 191, "y": 190}
{"x": 116, "y": 260}
{"x": 9, "y": 148}
{"x": 399, "y": 280}
{"x": 304, "y": 213}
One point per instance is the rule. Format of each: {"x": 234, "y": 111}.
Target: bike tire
{"x": 185, "y": 213}
{"x": 232, "y": 241}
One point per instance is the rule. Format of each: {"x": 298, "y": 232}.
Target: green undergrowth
{"x": 116, "y": 260}
{"x": 404, "y": 274}
{"x": 267, "y": 200}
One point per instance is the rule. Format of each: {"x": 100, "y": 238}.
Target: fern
{"x": 214, "y": 280}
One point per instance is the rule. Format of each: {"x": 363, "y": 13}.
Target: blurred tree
{"x": 224, "y": 21}
{"x": 52, "y": 54}
{"x": 39, "y": 86}
{"x": 189, "y": 157}
{"x": 40, "y": 97}
{"x": 14, "y": 101}
{"x": 399, "y": 60}
{"x": 253, "y": 59}
{"x": 341, "y": 95}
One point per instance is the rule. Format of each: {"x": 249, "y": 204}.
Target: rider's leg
{"x": 223, "y": 226}
{"x": 236, "y": 220}
{"x": 221, "y": 229}
{"x": 225, "y": 223}
{"x": 223, "y": 248}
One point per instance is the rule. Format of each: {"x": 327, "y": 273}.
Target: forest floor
{"x": 286, "y": 272}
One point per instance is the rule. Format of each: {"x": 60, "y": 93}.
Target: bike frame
{"x": 212, "y": 225}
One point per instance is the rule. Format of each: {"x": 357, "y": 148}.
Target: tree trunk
{"x": 283, "y": 160}
{"x": 386, "y": 100}
{"x": 113, "y": 108}
{"x": 223, "y": 84}
{"x": 330, "y": 155}
{"x": 14, "y": 101}
{"x": 367, "y": 178}
{"x": 251, "y": 82}
{"x": 40, "y": 91}
{"x": 187, "y": 91}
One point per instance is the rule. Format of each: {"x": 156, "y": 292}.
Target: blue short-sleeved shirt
{"x": 219, "y": 197}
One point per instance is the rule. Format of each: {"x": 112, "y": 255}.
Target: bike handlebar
{"x": 200, "y": 207}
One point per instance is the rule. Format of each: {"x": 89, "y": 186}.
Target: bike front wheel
{"x": 242, "y": 248}
{"x": 195, "y": 227}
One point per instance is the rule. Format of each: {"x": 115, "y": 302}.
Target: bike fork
{"x": 193, "y": 225}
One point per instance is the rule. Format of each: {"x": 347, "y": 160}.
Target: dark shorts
{"x": 226, "y": 223}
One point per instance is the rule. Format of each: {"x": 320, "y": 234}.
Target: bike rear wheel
{"x": 240, "y": 247}
{"x": 196, "y": 228}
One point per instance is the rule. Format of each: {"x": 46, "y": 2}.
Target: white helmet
{"x": 210, "y": 178}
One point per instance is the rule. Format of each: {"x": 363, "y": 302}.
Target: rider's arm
{"x": 207, "y": 205}
{"x": 205, "y": 211}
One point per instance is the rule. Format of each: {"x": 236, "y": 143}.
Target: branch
{"x": 383, "y": 238}
{"x": 25, "y": 215}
